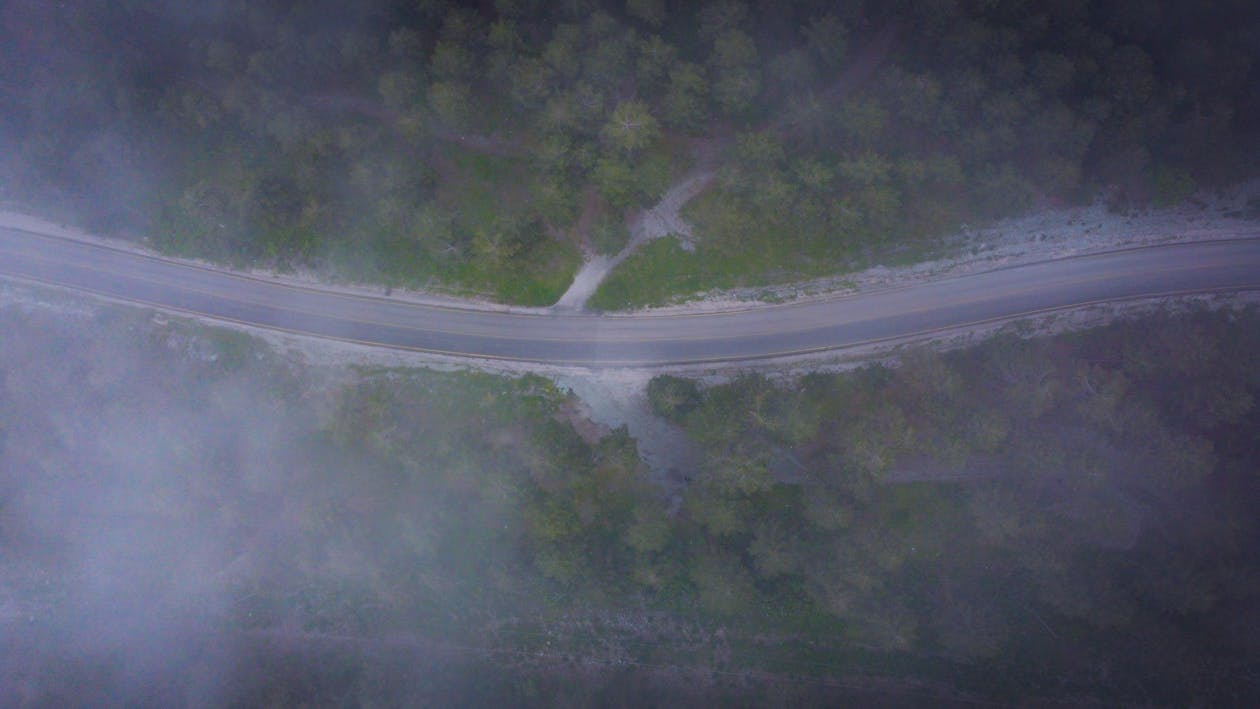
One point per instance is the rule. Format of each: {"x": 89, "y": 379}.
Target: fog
{"x": 189, "y": 516}
{"x": 115, "y": 562}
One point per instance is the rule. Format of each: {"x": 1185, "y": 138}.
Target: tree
{"x": 733, "y": 65}
{"x": 615, "y": 181}
{"x": 826, "y": 509}
{"x": 724, "y": 585}
{"x": 563, "y": 53}
{"x": 607, "y": 60}
{"x": 793, "y": 71}
{"x": 401, "y": 90}
{"x": 609, "y": 234}
{"x": 687, "y": 98}
{"x": 452, "y": 102}
{"x": 860, "y": 122}
{"x": 774, "y": 550}
{"x": 1001, "y": 516}
{"x": 650, "y": 530}
{"x": 719, "y": 514}
{"x": 631, "y": 127}
{"x": 970, "y": 628}
{"x": 651, "y": 12}
{"x": 672, "y": 398}
{"x": 556, "y": 197}
{"x": 654, "y": 60}
{"x": 740, "y": 468}
{"x": 825, "y": 37}
{"x": 451, "y": 61}
{"x": 1128, "y": 78}
{"x": 580, "y": 110}
{"x": 721, "y": 16}
{"x": 889, "y": 626}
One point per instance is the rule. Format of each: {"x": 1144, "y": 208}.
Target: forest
{"x": 485, "y": 148}
{"x": 193, "y": 515}
{"x": 189, "y": 515}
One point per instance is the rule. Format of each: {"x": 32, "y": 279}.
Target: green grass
{"x": 661, "y": 273}
{"x": 482, "y": 192}
{"x": 652, "y": 275}
{"x": 537, "y": 280}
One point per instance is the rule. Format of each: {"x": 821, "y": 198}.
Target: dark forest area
{"x": 1067, "y": 518}
{"x": 483, "y": 147}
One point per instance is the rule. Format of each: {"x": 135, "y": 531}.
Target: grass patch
{"x": 488, "y": 193}
{"x": 662, "y": 273}
{"x": 651, "y": 276}
{"x": 538, "y": 279}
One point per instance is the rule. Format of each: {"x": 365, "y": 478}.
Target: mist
{"x": 191, "y": 514}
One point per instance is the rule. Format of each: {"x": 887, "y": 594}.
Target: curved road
{"x": 644, "y": 340}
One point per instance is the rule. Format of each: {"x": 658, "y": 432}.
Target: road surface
{"x": 634, "y": 340}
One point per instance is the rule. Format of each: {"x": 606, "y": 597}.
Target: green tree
{"x": 631, "y": 127}
{"x": 452, "y": 102}
{"x": 720, "y": 514}
{"x": 742, "y": 468}
{"x": 825, "y": 37}
{"x": 687, "y": 98}
{"x": 651, "y": 12}
{"x": 672, "y": 398}
{"x": 733, "y": 66}
{"x": 725, "y": 587}
{"x": 452, "y": 61}
{"x": 650, "y": 530}
{"x": 775, "y": 550}
{"x": 720, "y": 16}
{"x": 653, "y": 62}
{"x": 616, "y": 182}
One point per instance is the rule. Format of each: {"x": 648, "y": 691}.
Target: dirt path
{"x": 662, "y": 219}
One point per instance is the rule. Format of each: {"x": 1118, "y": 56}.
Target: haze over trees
{"x": 191, "y": 516}
{"x": 479, "y": 146}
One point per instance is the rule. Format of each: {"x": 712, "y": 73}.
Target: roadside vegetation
{"x": 1006, "y": 521}
{"x": 1015, "y": 515}
{"x": 481, "y": 148}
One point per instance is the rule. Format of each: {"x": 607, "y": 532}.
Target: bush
{"x": 609, "y": 235}
{"x": 672, "y": 398}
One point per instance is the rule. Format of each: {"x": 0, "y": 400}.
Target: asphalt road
{"x": 635, "y": 340}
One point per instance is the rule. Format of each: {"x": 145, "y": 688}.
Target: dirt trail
{"x": 662, "y": 219}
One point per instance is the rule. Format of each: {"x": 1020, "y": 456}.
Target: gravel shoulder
{"x": 1042, "y": 236}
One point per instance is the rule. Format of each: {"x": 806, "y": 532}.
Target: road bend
{"x": 634, "y": 340}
